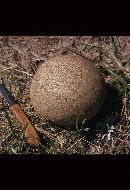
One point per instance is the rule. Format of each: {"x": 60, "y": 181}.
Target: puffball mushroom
{"x": 67, "y": 87}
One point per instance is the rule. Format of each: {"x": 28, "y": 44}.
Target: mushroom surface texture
{"x": 67, "y": 87}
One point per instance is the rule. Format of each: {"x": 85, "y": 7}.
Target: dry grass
{"x": 107, "y": 133}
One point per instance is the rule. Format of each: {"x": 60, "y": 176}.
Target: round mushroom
{"x": 67, "y": 87}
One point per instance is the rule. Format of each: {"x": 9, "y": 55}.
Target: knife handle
{"x": 30, "y": 133}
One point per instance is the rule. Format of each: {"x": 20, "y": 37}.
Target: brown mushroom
{"x": 66, "y": 87}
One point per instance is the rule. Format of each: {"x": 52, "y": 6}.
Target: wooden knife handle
{"x": 30, "y": 133}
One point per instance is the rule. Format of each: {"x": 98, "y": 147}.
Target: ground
{"x": 107, "y": 133}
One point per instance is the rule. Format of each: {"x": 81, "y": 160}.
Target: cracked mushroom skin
{"x": 67, "y": 87}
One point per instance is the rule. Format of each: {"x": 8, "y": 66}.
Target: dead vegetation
{"x": 107, "y": 133}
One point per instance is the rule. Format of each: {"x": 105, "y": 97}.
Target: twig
{"x": 24, "y": 72}
{"x": 25, "y": 54}
{"x": 74, "y": 144}
{"x": 6, "y": 69}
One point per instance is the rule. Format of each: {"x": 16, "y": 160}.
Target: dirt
{"x": 21, "y": 56}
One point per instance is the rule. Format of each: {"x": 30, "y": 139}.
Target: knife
{"x": 30, "y": 132}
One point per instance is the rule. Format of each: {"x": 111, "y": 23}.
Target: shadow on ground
{"x": 109, "y": 115}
